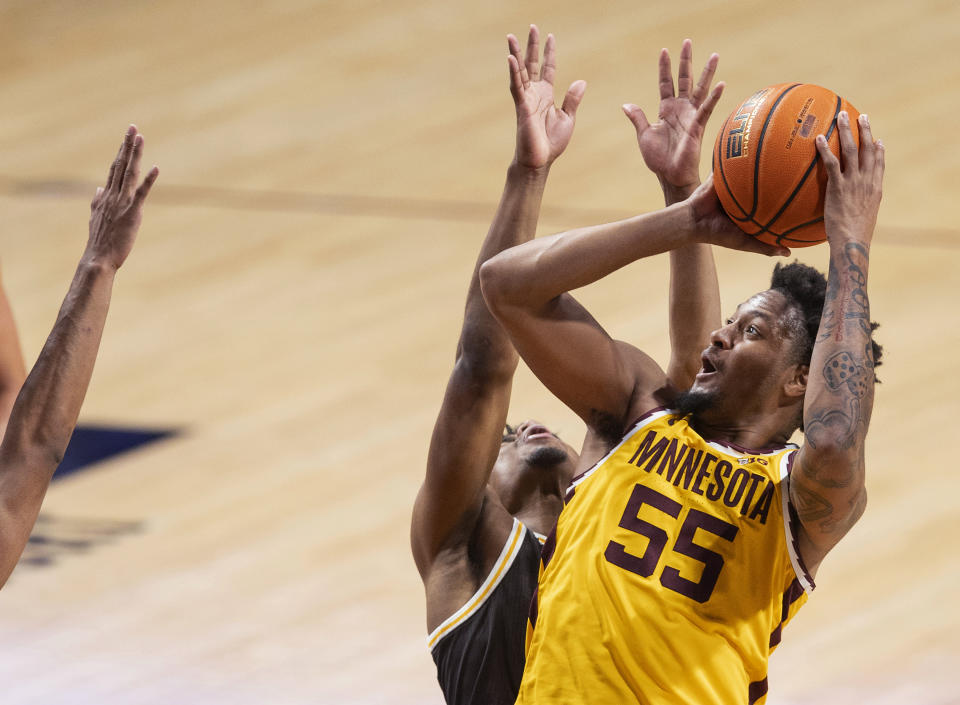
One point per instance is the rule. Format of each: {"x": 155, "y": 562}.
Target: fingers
{"x": 830, "y": 161}
{"x": 119, "y": 163}
{"x": 706, "y": 78}
{"x": 516, "y": 78}
{"x": 533, "y": 53}
{"x": 748, "y": 243}
{"x": 879, "y": 164}
{"x": 706, "y": 108}
{"x": 684, "y": 77}
{"x": 666, "y": 76}
{"x": 571, "y": 101}
{"x": 848, "y": 148}
{"x": 549, "y": 60}
{"x": 132, "y": 173}
{"x": 867, "y": 149}
{"x": 513, "y": 44}
{"x": 637, "y": 117}
{"x": 141, "y": 193}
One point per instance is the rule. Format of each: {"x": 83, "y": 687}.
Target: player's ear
{"x": 796, "y": 384}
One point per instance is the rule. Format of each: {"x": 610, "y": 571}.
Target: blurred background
{"x": 290, "y": 314}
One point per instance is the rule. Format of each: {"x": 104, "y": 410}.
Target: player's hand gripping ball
{"x": 767, "y": 173}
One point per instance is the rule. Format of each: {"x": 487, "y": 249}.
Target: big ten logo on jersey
{"x": 738, "y": 136}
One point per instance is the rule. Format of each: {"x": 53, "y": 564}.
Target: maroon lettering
{"x": 751, "y": 490}
{"x": 645, "y": 564}
{"x": 700, "y": 590}
{"x": 688, "y": 469}
{"x": 703, "y": 473}
{"x": 671, "y": 459}
{"x": 737, "y": 485}
{"x": 762, "y": 507}
{"x": 720, "y": 474}
{"x": 647, "y": 451}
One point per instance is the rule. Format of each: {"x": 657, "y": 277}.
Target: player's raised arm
{"x": 469, "y": 428}
{"x": 827, "y": 482}
{"x": 604, "y": 381}
{"x": 12, "y": 368}
{"x": 671, "y": 150}
{"x": 47, "y": 408}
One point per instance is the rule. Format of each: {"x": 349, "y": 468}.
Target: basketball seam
{"x": 763, "y": 133}
{"x": 748, "y": 217}
{"x": 726, "y": 184}
{"x": 803, "y": 180}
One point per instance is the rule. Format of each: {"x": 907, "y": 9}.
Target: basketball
{"x": 767, "y": 172}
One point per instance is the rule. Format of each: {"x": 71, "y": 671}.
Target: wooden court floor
{"x": 328, "y": 170}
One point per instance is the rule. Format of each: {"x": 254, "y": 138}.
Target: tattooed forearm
{"x": 846, "y": 297}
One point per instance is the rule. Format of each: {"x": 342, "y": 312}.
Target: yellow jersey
{"x": 669, "y": 576}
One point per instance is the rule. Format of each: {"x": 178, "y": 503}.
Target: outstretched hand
{"x": 117, "y": 208}
{"x": 853, "y": 191}
{"x": 671, "y": 146}
{"x": 543, "y": 130}
{"x": 713, "y": 226}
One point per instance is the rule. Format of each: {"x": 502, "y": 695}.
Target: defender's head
{"x": 759, "y": 360}
{"x": 531, "y": 458}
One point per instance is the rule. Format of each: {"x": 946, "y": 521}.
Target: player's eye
{"x": 509, "y": 438}
{"x": 753, "y": 330}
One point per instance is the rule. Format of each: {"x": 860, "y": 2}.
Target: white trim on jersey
{"x": 789, "y": 536}
{"x": 644, "y": 421}
{"x": 746, "y": 452}
{"x": 509, "y": 552}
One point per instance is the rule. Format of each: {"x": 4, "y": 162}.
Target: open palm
{"x": 543, "y": 129}
{"x": 671, "y": 146}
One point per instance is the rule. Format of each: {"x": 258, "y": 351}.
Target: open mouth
{"x": 534, "y": 433}
{"x": 706, "y": 366}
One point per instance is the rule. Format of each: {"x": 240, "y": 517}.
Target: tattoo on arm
{"x": 813, "y": 507}
{"x": 846, "y": 297}
{"x": 848, "y": 377}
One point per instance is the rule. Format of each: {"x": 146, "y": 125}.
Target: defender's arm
{"x": 47, "y": 408}
{"x": 469, "y": 428}
{"x": 827, "y": 482}
{"x": 671, "y": 150}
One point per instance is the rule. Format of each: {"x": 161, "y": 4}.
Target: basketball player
{"x": 47, "y": 407}
{"x": 486, "y": 499}
{"x": 679, "y": 557}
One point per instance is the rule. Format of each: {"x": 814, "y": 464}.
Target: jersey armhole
{"x": 507, "y": 555}
{"x": 791, "y": 524}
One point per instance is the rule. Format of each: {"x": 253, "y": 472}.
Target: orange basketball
{"x": 766, "y": 169}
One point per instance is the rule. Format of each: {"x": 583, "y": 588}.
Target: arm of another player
{"x": 12, "y": 368}
{"x": 467, "y": 435}
{"x": 602, "y": 380}
{"x": 671, "y": 150}
{"x": 47, "y": 408}
{"x": 827, "y": 483}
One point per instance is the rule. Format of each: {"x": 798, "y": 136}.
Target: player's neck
{"x": 756, "y": 430}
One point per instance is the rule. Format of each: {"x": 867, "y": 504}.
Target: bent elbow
{"x": 493, "y": 283}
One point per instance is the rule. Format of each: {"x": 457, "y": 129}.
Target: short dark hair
{"x": 805, "y": 290}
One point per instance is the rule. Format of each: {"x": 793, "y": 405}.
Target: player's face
{"x": 749, "y": 357}
{"x": 532, "y": 447}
